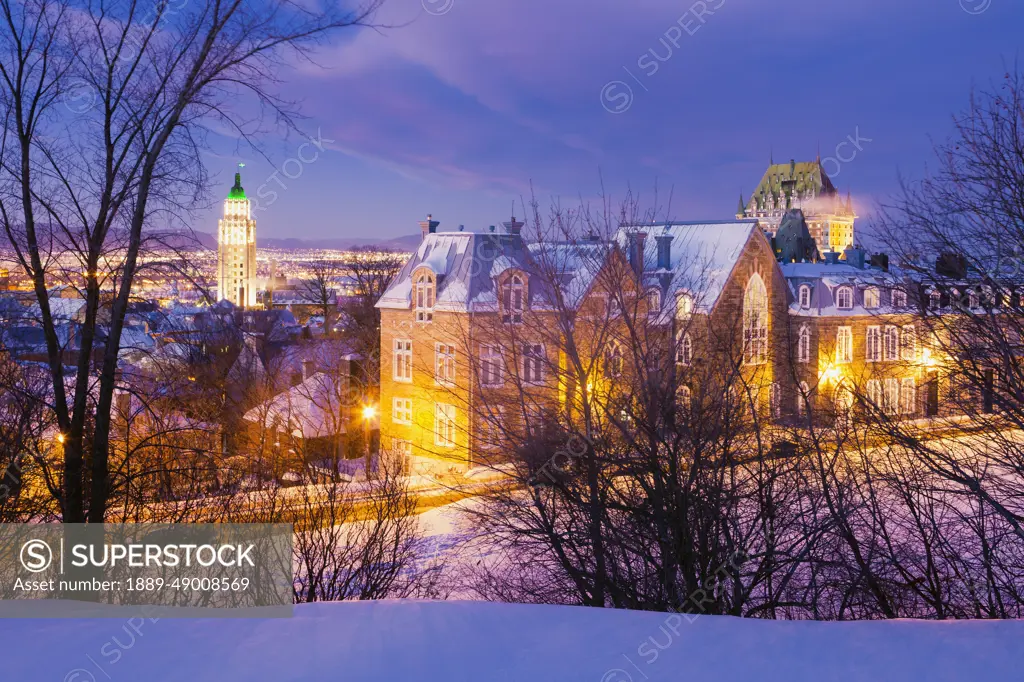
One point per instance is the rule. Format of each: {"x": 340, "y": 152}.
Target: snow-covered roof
{"x": 826, "y": 278}
{"x": 702, "y": 256}
{"x": 311, "y": 409}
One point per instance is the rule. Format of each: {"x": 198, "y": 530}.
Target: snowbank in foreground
{"x": 454, "y": 641}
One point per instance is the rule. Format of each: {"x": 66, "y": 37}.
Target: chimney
{"x": 831, "y": 257}
{"x": 514, "y": 227}
{"x": 428, "y": 226}
{"x": 664, "y": 241}
{"x": 880, "y": 260}
{"x": 855, "y": 256}
{"x": 308, "y": 369}
{"x": 636, "y": 241}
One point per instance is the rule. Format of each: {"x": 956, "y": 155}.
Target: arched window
{"x": 684, "y": 350}
{"x": 684, "y": 306}
{"x": 805, "y": 295}
{"x": 423, "y": 297}
{"x": 803, "y": 399}
{"x": 654, "y": 300}
{"x": 803, "y": 346}
{"x": 755, "y": 322}
{"x": 613, "y": 360}
{"x": 844, "y": 298}
{"x": 871, "y": 298}
{"x": 513, "y": 300}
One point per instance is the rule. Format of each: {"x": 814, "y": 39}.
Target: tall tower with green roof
{"x": 236, "y": 249}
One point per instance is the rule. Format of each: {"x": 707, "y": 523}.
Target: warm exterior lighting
{"x": 926, "y": 358}
{"x": 831, "y": 374}
{"x": 60, "y": 438}
{"x": 369, "y": 412}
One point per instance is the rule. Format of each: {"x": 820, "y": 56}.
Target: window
{"x": 402, "y": 370}
{"x": 908, "y": 396}
{"x": 654, "y": 300}
{"x": 613, "y": 360}
{"x": 874, "y": 344}
{"x": 875, "y": 393}
{"x": 684, "y": 350}
{"x": 844, "y": 345}
{"x": 401, "y": 410}
{"x": 909, "y": 342}
{"x": 775, "y": 400}
{"x": 513, "y": 298}
{"x": 843, "y": 399}
{"x": 934, "y": 299}
{"x": 400, "y": 446}
{"x": 685, "y": 397}
{"x": 492, "y": 429}
{"x": 892, "y": 395}
{"x": 533, "y": 363}
{"x": 844, "y": 298}
{"x": 899, "y": 298}
{"x": 803, "y": 399}
{"x": 755, "y": 322}
{"x": 973, "y": 301}
{"x": 684, "y": 306}
{"x": 871, "y": 298}
{"x": 803, "y": 346}
{"x": 444, "y": 363}
{"x": 892, "y": 343}
{"x": 444, "y": 425}
{"x": 491, "y": 366}
{"x": 805, "y": 295}
{"x": 988, "y": 297}
{"x": 423, "y": 293}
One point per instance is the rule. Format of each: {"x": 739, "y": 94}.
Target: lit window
{"x": 909, "y": 342}
{"x": 444, "y": 363}
{"x": 803, "y": 347}
{"x": 892, "y": 395}
{"x": 614, "y": 361}
{"x": 444, "y": 425}
{"x": 875, "y": 397}
{"x": 899, "y": 298}
{"x": 843, "y": 399}
{"x": 805, "y": 295}
{"x": 892, "y": 343}
{"x": 513, "y": 300}
{"x": 491, "y": 366}
{"x": 755, "y": 322}
{"x": 402, "y": 369}
{"x": 684, "y": 351}
{"x": 533, "y": 363}
{"x": 844, "y": 344}
{"x": 874, "y": 344}
{"x": 401, "y": 410}
{"x": 844, "y": 298}
{"x": 685, "y": 397}
{"x": 423, "y": 293}
{"x": 684, "y": 306}
{"x": 871, "y": 298}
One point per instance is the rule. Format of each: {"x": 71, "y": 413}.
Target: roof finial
{"x": 771, "y": 155}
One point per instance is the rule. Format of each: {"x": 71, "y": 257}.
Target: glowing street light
{"x": 60, "y": 438}
{"x": 369, "y": 412}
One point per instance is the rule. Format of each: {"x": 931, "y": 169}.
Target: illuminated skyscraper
{"x": 236, "y": 249}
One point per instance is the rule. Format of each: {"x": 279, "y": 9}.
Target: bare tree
{"x": 319, "y": 289}
{"x": 79, "y": 183}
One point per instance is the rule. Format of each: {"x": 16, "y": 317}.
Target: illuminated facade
{"x": 236, "y": 249}
{"x": 808, "y": 187}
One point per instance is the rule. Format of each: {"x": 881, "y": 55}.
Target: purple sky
{"x": 465, "y": 104}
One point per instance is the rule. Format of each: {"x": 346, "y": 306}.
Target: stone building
{"x": 805, "y": 186}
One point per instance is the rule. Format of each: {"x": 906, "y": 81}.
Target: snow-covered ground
{"x": 453, "y": 641}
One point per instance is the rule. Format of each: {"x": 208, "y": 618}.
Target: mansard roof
{"x": 809, "y": 177}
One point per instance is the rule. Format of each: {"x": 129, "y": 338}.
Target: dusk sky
{"x": 462, "y": 105}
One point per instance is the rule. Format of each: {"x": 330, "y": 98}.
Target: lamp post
{"x": 369, "y": 412}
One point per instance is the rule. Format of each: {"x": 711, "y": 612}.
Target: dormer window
{"x": 899, "y": 298}
{"x": 804, "y": 295}
{"x": 684, "y": 306}
{"x": 934, "y": 299}
{"x": 423, "y": 297}
{"x": 513, "y": 297}
{"x": 871, "y": 298}
{"x": 654, "y": 300}
{"x": 844, "y": 298}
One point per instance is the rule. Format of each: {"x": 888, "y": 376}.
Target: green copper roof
{"x": 237, "y": 192}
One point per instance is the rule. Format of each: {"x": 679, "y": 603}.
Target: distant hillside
{"x": 406, "y": 243}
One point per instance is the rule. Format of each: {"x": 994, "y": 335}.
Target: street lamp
{"x": 369, "y": 413}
